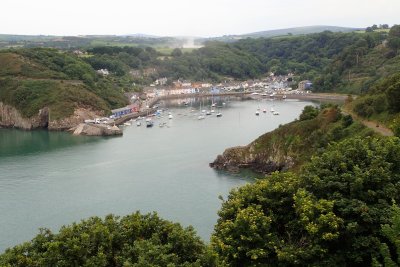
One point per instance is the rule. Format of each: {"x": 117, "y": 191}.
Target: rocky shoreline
{"x": 246, "y": 157}
{"x": 12, "y": 118}
{"x": 95, "y": 130}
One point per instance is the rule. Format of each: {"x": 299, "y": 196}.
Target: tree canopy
{"x": 329, "y": 215}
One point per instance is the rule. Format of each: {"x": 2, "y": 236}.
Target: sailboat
{"x": 201, "y": 116}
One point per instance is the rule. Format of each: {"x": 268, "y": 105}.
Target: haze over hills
{"x": 138, "y": 39}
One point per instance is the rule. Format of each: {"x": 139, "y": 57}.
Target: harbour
{"x": 50, "y": 179}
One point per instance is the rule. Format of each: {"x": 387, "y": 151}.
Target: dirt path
{"x": 375, "y": 126}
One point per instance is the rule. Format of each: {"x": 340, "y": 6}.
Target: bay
{"x": 49, "y": 179}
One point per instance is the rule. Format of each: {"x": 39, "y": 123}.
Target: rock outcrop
{"x": 287, "y": 147}
{"x": 95, "y": 130}
{"x": 235, "y": 158}
{"x": 10, "y": 117}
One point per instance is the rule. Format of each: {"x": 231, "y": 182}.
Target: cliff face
{"x": 235, "y": 158}
{"x": 12, "y": 118}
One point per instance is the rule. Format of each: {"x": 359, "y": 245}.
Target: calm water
{"x": 52, "y": 179}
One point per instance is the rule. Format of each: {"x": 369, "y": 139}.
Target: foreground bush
{"x": 134, "y": 240}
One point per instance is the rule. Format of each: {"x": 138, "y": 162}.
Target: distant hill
{"x": 299, "y": 30}
{"x": 283, "y": 32}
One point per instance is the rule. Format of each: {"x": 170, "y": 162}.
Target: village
{"x": 269, "y": 86}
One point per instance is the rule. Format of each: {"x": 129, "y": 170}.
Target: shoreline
{"x": 152, "y": 102}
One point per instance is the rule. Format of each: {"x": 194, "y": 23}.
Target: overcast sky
{"x": 187, "y": 17}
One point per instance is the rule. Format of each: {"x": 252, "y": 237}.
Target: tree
{"x": 390, "y": 251}
{"x": 176, "y": 52}
{"x": 394, "y": 38}
{"x": 393, "y": 97}
{"x": 134, "y": 240}
{"x": 309, "y": 112}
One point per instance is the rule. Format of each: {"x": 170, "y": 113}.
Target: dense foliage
{"x": 293, "y": 144}
{"x": 382, "y": 102}
{"x": 329, "y": 215}
{"x": 134, "y": 240}
{"x": 31, "y": 79}
{"x": 326, "y": 58}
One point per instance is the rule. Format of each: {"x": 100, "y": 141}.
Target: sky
{"x": 203, "y": 18}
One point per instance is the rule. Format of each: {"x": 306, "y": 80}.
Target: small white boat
{"x": 257, "y": 113}
{"x": 213, "y": 105}
{"x": 200, "y": 117}
{"x": 170, "y": 116}
{"x": 264, "y": 110}
{"x": 208, "y": 112}
{"x": 138, "y": 123}
{"x": 212, "y": 111}
{"x": 275, "y": 113}
{"x": 284, "y": 97}
{"x": 272, "y": 110}
{"x": 219, "y": 114}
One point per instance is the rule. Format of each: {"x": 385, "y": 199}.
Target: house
{"x": 116, "y": 113}
{"x": 304, "y": 85}
{"x": 103, "y": 72}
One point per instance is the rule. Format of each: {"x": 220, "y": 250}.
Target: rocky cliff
{"x": 267, "y": 161}
{"x": 10, "y": 117}
{"x": 288, "y": 146}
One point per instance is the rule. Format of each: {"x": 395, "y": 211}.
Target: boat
{"x": 162, "y": 124}
{"x": 257, "y": 113}
{"x": 275, "y": 113}
{"x": 219, "y": 114}
{"x": 149, "y": 123}
{"x": 208, "y": 112}
{"x": 201, "y": 115}
{"x": 284, "y": 97}
{"x": 170, "y": 116}
{"x": 272, "y": 110}
{"x": 138, "y": 123}
{"x": 127, "y": 124}
{"x": 264, "y": 110}
{"x": 213, "y": 104}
